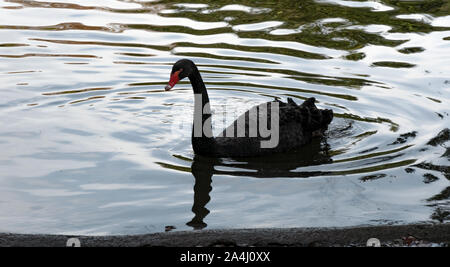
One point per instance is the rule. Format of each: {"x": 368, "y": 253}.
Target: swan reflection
{"x": 276, "y": 166}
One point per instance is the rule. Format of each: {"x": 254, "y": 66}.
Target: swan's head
{"x": 180, "y": 70}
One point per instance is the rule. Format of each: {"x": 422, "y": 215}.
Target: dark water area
{"x": 90, "y": 143}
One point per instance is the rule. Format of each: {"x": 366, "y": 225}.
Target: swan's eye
{"x": 180, "y": 72}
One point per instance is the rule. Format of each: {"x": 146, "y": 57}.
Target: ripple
{"x": 244, "y": 8}
{"x": 12, "y": 45}
{"x": 48, "y": 55}
{"x": 418, "y": 17}
{"x": 392, "y": 64}
{"x": 374, "y": 5}
{"x": 258, "y": 26}
{"x": 411, "y": 50}
{"x": 78, "y": 91}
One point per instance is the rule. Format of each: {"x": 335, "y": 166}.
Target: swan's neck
{"x": 202, "y": 137}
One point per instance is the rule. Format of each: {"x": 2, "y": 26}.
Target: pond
{"x": 90, "y": 143}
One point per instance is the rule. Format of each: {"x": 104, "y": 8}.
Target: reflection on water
{"x": 277, "y": 166}
{"x": 203, "y": 171}
{"x": 92, "y": 144}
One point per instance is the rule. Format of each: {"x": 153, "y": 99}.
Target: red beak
{"x": 174, "y": 79}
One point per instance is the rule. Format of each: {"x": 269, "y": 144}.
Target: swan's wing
{"x": 304, "y": 117}
{"x": 307, "y": 116}
{"x": 296, "y": 125}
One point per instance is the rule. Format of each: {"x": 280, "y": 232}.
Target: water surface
{"x": 91, "y": 144}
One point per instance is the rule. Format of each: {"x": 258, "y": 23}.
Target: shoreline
{"x": 264, "y": 237}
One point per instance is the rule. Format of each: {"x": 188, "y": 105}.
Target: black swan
{"x": 291, "y": 125}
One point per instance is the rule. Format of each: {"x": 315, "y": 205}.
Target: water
{"x": 91, "y": 144}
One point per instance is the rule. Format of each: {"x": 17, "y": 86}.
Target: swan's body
{"x": 297, "y": 123}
